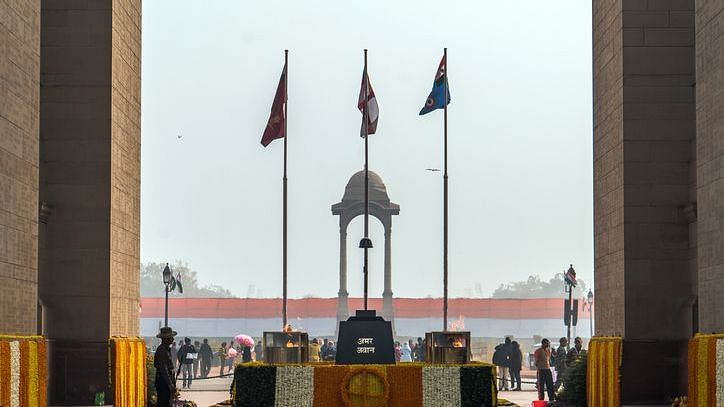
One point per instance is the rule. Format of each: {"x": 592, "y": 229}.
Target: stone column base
{"x": 76, "y": 371}
{"x": 653, "y": 371}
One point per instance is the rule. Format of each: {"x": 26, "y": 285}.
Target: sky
{"x": 519, "y": 141}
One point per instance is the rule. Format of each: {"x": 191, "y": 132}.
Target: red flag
{"x": 275, "y": 126}
{"x": 372, "y": 110}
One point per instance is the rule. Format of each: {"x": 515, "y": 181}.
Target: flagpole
{"x": 284, "y": 205}
{"x": 367, "y": 203}
{"x": 445, "y": 205}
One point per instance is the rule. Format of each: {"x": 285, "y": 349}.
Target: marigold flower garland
{"x": 711, "y": 369}
{"x": 705, "y": 358}
{"x": 701, "y": 363}
{"x": 24, "y": 368}
{"x": 400, "y": 379}
{"x": 720, "y": 372}
{"x": 441, "y": 386}
{"x": 32, "y": 374}
{"x": 4, "y": 373}
{"x": 603, "y": 380}
{"x": 42, "y": 372}
{"x": 327, "y": 379}
{"x": 23, "y": 371}
{"x": 294, "y": 386}
{"x": 129, "y": 379}
{"x": 14, "y": 374}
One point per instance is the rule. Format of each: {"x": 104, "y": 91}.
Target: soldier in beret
{"x": 165, "y": 379}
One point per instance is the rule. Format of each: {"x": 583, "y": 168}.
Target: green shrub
{"x": 574, "y": 379}
{"x": 151, "y": 378}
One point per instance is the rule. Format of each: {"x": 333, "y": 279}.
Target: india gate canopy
{"x": 351, "y": 206}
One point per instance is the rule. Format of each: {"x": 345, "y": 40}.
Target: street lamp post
{"x": 167, "y": 284}
{"x": 569, "y": 278}
{"x": 589, "y": 299}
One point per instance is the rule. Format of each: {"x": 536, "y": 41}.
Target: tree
{"x": 535, "y": 287}
{"x": 152, "y": 281}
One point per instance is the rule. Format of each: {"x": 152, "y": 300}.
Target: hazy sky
{"x": 520, "y": 140}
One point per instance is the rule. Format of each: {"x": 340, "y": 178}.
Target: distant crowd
{"x": 410, "y": 351}
{"x": 195, "y": 360}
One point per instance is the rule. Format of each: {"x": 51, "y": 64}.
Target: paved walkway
{"x": 521, "y": 398}
{"x": 205, "y": 398}
{"x": 207, "y": 392}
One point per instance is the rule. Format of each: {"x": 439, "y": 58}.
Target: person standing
{"x": 206, "y": 354}
{"x": 174, "y": 355}
{"x": 222, "y": 358}
{"x": 314, "y": 351}
{"x": 258, "y": 352}
{"x": 542, "y": 357}
{"x": 232, "y": 356}
{"x": 411, "y": 344}
{"x": 197, "y": 361}
{"x": 501, "y": 358}
{"x": 420, "y": 348}
{"x": 245, "y": 354}
{"x": 398, "y": 352}
{"x": 516, "y": 363}
{"x": 560, "y": 362}
{"x": 165, "y": 381}
{"x": 406, "y": 353}
{"x": 186, "y": 356}
{"x": 331, "y": 353}
{"x": 575, "y": 352}
{"x": 323, "y": 348}
{"x": 178, "y": 362}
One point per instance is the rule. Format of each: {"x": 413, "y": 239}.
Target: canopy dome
{"x": 355, "y": 189}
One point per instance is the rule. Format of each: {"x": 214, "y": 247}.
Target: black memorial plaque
{"x": 365, "y": 339}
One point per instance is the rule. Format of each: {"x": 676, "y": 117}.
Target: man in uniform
{"x": 560, "y": 362}
{"x": 165, "y": 378}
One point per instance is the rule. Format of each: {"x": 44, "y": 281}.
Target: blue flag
{"x": 436, "y": 100}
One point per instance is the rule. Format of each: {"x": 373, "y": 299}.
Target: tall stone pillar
{"x": 710, "y": 162}
{"x": 90, "y": 176}
{"x": 342, "y": 294}
{"x": 388, "y": 311}
{"x": 19, "y": 123}
{"x": 644, "y": 130}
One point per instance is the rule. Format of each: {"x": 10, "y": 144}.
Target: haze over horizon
{"x": 520, "y": 141}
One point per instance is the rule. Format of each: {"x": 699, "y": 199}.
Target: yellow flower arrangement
{"x": 4, "y": 373}
{"x": 23, "y": 371}
{"x": 128, "y": 358}
{"x": 705, "y": 370}
{"x": 603, "y": 378}
{"x": 32, "y": 374}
